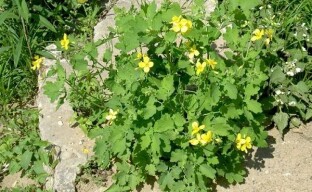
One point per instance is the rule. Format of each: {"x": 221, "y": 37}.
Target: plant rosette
{"x": 185, "y": 115}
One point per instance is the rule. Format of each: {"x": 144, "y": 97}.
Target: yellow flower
{"x": 180, "y": 25}
{"x": 37, "y": 62}
{"x": 82, "y": 1}
{"x": 196, "y": 127}
{"x": 243, "y": 143}
{"x": 176, "y": 19}
{"x": 206, "y": 138}
{"x": 200, "y": 67}
{"x": 146, "y": 64}
{"x": 202, "y": 138}
{"x": 111, "y": 115}
{"x": 193, "y": 52}
{"x": 257, "y": 34}
{"x": 85, "y": 151}
{"x": 212, "y": 63}
{"x": 196, "y": 140}
{"x": 139, "y": 55}
{"x": 65, "y": 42}
{"x": 269, "y": 34}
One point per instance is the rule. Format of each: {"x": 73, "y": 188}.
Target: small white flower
{"x": 260, "y": 8}
{"x": 295, "y": 34}
{"x": 304, "y": 35}
{"x": 279, "y": 101}
{"x": 279, "y": 92}
{"x": 292, "y": 103}
{"x": 303, "y": 24}
{"x": 303, "y": 49}
{"x": 269, "y": 6}
{"x": 290, "y": 73}
{"x": 298, "y": 70}
{"x": 111, "y": 115}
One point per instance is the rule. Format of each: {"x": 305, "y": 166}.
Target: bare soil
{"x": 285, "y": 166}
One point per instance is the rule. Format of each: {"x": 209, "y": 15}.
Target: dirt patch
{"x": 285, "y": 166}
{"x": 16, "y": 180}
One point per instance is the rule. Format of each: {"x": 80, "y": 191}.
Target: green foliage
{"x": 143, "y": 114}
{"x": 20, "y": 146}
{"x": 26, "y": 27}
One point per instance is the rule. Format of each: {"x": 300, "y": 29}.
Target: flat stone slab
{"x": 54, "y": 126}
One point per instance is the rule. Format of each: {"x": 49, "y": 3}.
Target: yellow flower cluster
{"x": 259, "y": 33}
{"x": 65, "y": 42}
{"x": 111, "y": 116}
{"x": 180, "y": 25}
{"x": 146, "y": 64}
{"x": 200, "y": 66}
{"x": 243, "y": 143}
{"x": 37, "y": 62}
{"x": 200, "y": 138}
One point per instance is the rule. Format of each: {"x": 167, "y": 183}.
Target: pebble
{"x": 60, "y": 123}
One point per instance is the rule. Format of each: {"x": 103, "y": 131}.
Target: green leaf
{"x": 219, "y": 126}
{"x": 213, "y": 96}
{"x": 79, "y": 63}
{"x": 155, "y": 148}
{"x": 45, "y": 54}
{"x": 178, "y": 119}
{"x": 231, "y": 90}
{"x": 277, "y": 76}
{"x": 14, "y": 167}
{"x": 44, "y": 22}
{"x": 251, "y": 90}
{"x": 233, "y": 112}
{"x": 18, "y": 51}
{"x": 107, "y": 55}
{"x": 247, "y": 5}
{"x": 26, "y": 159}
{"x": 151, "y": 169}
{"x": 166, "y": 88}
{"x": 151, "y": 10}
{"x": 24, "y": 11}
{"x": 38, "y": 168}
{"x": 165, "y": 123}
{"x": 170, "y": 36}
{"x": 174, "y": 10}
{"x": 53, "y": 89}
{"x": 145, "y": 141}
{"x": 179, "y": 156}
{"x": 102, "y": 151}
{"x": 213, "y": 160}
{"x": 150, "y": 108}
{"x": 302, "y": 87}
{"x": 183, "y": 64}
{"x": 7, "y": 15}
{"x": 308, "y": 114}
{"x": 232, "y": 36}
{"x": 120, "y": 146}
{"x": 281, "y": 120}
{"x": 208, "y": 171}
{"x": 253, "y": 106}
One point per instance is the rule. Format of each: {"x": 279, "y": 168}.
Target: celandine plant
{"x": 178, "y": 112}
{"x": 172, "y": 109}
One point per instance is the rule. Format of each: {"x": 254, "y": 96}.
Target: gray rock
{"x": 62, "y": 135}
